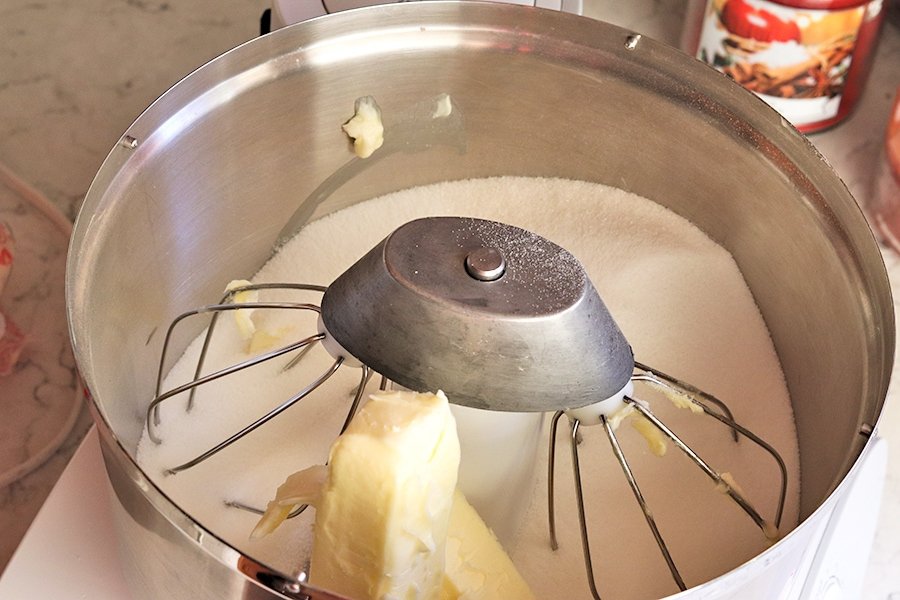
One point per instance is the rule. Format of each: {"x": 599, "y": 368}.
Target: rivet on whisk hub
{"x": 486, "y": 264}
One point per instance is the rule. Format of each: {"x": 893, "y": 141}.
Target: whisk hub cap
{"x": 538, "y": 338}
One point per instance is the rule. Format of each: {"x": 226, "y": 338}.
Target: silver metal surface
{"x": 537, "y": 339}
{"x": 226, "y": 156}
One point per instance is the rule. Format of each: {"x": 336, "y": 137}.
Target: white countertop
{"x": 73, "y": 75}
{"x": 71, "y": 547}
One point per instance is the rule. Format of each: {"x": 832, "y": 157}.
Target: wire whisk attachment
{"x": 496, "y": 317}
{"x": 608, "y": 413}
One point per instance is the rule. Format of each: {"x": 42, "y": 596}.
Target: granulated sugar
{"x": 680, "y": 301}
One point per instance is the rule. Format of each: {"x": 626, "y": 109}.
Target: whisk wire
{"x": 226, "y": 306}
{"x": 737, "y": 427}
{"x": 216, "y": 309}
{"x": 704, "y": 466}
{"x": 153, "y": 418}
{"x": 296, "y": 360}
{"x": 672, "y": 385}
{"x": 678, "y": 392}
{"x": 702, "y": 399}
{"x": 258, "y": 511}
{"x": 551, "y": 480}
{"x": 636, "y": 490}
{"x": 582, "y": 519}
{"x": 226, "y": 299}
{"x": 357, "y": 397}
{"x": 260, "y": 421}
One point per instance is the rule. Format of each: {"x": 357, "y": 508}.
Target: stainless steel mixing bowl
{"x": 201, "y": 184}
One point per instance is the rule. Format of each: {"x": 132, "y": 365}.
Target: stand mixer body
{"x": 301, "y": 76}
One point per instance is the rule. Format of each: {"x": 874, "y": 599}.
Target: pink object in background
{"x": 884, "y": 213}
{"x": 7, "y": 244}
{"x": 12, "y": 340}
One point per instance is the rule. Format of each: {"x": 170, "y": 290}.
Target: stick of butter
{"x": 389, "y": 522}
{"x": 477, "y": 567}
{"x": 381, "y": 523}
{"x": 384, "y": 506}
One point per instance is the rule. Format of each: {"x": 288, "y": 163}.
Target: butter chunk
{"x": 443, "y": 106}
{"x": 477, "y": 567}
{"x": 243, "y": 316}
{"x": 728, "y": 483}
{"x": 682, "y": 400}
{"x": 263, "y": 340}
{"x": 390, "y": 522}
{"x": 303, "y": 487}
{"x": 365, "y": 127}
{"x": 381, "y": 521}
{"x": 655, "y": 439}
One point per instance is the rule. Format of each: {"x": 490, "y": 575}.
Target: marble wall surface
{"x": 73, "y": 75}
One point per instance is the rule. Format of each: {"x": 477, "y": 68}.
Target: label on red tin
{"x": 796, "y": 59}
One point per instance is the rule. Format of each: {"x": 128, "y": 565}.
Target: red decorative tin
{"x": 809, "y": 59}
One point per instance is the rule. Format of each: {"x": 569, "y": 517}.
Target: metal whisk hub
{"x": 537, "y": 338}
